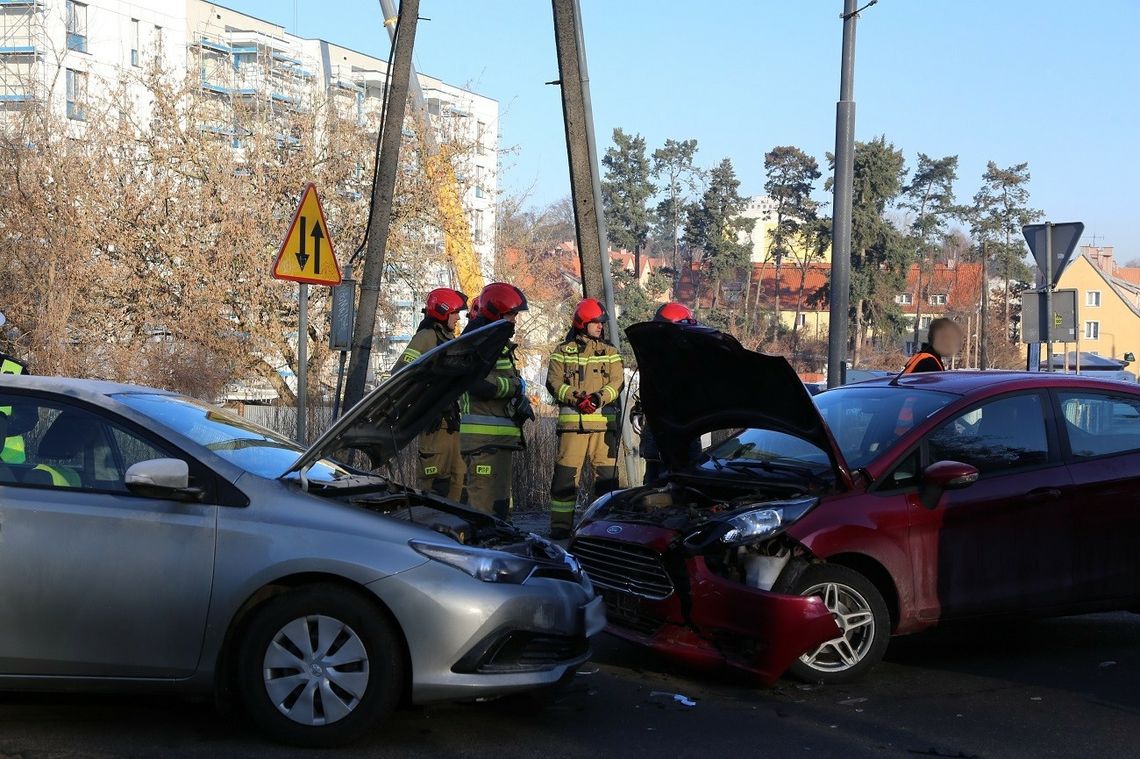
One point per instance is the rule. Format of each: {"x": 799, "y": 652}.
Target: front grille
{"x": 624, "y": 567}
{"x": 532, "y": 652}
{"x": 624, "y": 610}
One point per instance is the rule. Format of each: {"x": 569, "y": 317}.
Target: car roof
{"x": 971, "y": 382}
{"x": 85, "y": 389}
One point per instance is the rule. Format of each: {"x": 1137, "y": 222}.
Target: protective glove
{"x": 586, "y": 405}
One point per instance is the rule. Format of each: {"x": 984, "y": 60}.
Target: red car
{"x": 811, "y": 532}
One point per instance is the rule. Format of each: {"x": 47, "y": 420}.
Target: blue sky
{"x": 1052, "y": 82}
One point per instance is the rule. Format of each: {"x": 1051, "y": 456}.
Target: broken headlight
{"x": 480, "y": 563}
{"x": 760, "y": 522}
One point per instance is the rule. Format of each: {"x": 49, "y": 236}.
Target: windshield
{"x": 768, "y": 449}
{"x": 237, "y": 440}
{"x": 866, "y": 421}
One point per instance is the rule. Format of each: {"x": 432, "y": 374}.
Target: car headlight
{"x": 480, "y": 563}
{"x": 765, "y": 520}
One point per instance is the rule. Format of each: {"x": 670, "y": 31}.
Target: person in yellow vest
{"x": 585, "y": 377}
{"x": 943, "y": 340}
{"x": 440, "y": 466}
{"x": 493, "y": 412}
{"x": 12, "y": 450}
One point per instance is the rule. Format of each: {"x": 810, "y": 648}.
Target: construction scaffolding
{"x": 23, "y": 41}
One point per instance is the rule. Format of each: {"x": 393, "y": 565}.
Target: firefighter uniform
{"x": 439, "y": 468}
{"x": 490, "y": 431}
{"x": 11, "y": 447}
{"x": 582, "y": 367}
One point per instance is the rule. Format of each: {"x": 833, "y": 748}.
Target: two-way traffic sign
{"x": 307, "y": 254}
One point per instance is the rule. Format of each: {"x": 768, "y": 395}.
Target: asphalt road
{"x": 1054, "y": 688}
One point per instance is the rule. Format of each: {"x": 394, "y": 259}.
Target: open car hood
{"x": 696, "y": 379}
{"x": 412, "y": 399}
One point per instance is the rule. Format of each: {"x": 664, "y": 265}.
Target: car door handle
{"x": 1043, "y": 494}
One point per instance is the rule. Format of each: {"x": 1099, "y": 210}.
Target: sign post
{"x": 1052, "y": 246}
{"x": 304, "y": 244}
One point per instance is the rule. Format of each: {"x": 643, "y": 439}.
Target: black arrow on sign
{"x": 318, "y": 235}
{"x": 302, "y": 256}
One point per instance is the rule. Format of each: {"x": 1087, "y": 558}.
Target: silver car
{"x": 148, "y": 540}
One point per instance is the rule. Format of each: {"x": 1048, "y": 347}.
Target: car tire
{"x": 854, "y": 600}
{"x": 320, "y": 666}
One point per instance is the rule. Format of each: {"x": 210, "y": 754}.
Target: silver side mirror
{"x": 161, "y": 478}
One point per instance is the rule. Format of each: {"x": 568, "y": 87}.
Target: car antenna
{"x": 895, "y": 380}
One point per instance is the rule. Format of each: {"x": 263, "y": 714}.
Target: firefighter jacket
{"x": 494, "y": 410}
{"x": 583, "y": 366}
{"x": 430, "y": 334}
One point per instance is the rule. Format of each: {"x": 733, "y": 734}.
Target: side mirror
{"x": 161, "y": 478}
{"x": 942, "y": 476}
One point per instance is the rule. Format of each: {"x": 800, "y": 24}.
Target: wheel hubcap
{"x": 316, "y": 670}
{"x": 856, "y": 625}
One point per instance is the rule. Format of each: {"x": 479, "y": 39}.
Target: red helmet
{"x": 473, "y": 309}
{"x": 442, "y": 302}
{"x": 499, "y": 299}
{"x": 587, "y": 311}
{"x": 677, "y": 313}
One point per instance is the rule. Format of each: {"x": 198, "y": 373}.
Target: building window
{"x": 1092, "y": 330}
{"x": 939, "y": 299}
{"x": 76, "y": 26}
{"x": 134, "y": 32}
{"x": 479, "y": 182}
{"x": 1092, "y": 298}
{"x": 76, "y": 95}
{"x": 904, "y": 299}
{"x": 924, "y": 322}
{"x": 801, "y": 321}
{"x": 158, "y": 46}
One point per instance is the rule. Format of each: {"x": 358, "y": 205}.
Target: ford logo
{"x": 613, "y": 529}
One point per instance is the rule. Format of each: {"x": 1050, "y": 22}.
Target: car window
{"x": 1101, "y": 424}
{"x": 997, "y": 436}
{"x": 866, "y": 421}
{"x": 57, "y": 445}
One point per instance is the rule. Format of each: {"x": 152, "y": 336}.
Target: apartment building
{"x": 72, "y": 54}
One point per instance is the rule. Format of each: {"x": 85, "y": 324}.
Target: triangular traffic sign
{"x": 1065, "y": 236}
{"x": 307, "y": 254}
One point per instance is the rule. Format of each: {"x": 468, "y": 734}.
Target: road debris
{"x": 680, "y": 698}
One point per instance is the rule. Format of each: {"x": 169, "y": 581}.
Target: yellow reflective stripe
{"x": 562, "y": 507}
{"x": 504, "y": 387}
{"x": 586, "y": 417}
{"x": 609, "y": 390}
{"x": 489, "y": 429}
{"x": 13, "y": 451}
{"x": 584, "y": 360}
{"x": 563, "y": 392}
{"x": 504, "y": 363}
{"x": 7, "y": 366}
{"x": 63, "y": 478}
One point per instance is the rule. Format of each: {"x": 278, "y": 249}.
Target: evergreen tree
{"x": 791, "y": 179}
{"x": 930, "y": 195}
{"x": 715, "y": 225}
{"x": 625, "y": 191}
{"x": 673, "y": 165}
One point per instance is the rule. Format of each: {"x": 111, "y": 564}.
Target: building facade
{"x": 72, "y": 54}
{"x": 1108, "y": 304}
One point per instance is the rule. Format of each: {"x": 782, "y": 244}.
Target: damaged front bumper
{"x": 658, "y": 597}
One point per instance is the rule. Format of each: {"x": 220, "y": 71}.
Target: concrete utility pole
{"x": 841, "y": 219}
{"x": 382, "y": 190}
{"x": 582, "y": 149}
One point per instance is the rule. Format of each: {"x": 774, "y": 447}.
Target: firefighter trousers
{"x": 440, "y": 467}
{"x": 575, "y": 450}
{"x": 489, "y": 480}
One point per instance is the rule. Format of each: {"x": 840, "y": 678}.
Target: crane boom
{"x": 457, "y": 242}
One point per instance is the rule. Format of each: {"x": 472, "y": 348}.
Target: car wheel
{"x": 319, "y": 666}
{"x": 861, "y": 613}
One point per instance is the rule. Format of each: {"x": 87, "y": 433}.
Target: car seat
{"x": 70, "y": 437}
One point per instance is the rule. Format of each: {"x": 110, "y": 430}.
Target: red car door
{"x": 1101, "y": 436}
{"x": 1004, "y": 543}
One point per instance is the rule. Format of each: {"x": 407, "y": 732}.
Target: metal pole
{"x": 382, "y": 191}
{"x": 841, "y": 220}
{"x": 1049, "y": 296}
{"x": 302, "y": 360}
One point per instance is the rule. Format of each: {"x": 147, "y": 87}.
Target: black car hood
{"x": 412, "y": 399}
{"x": 696, "y": 379}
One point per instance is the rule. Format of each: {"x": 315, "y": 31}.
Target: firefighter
{"x": 943, "y": 340}
{"x": 11, "y": 446}
{"x": 440, "y": 466}
{"x": 585, "y": 377}
{"x": 676, "y": 313}
{"x": 494, "y": 410}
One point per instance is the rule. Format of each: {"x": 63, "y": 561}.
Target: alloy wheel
{"x": 316, "y": 670}
{"x": 856, "y": 621}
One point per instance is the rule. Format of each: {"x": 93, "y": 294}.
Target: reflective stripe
{"x": 586, "y": 417}
{"x": 13, "y": 451}
{"x": 562, "y": 507}
{"x": 61, "y": 478}
{"x": 504, "y": 387}
{"x": 610, "y": 391}
{"x": 563, "y": 392}
{"x": 504, "y": 363}
{"x": 10, "y": 366}
{"x": 487, "y": 429}
{"x": 582, "y": 360}
{"x": 410, "y": 355}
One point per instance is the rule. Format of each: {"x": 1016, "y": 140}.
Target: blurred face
{"x": 512, "y": 317}
{"x": 594, "y": 329}
{"x": 948, "y": 340}
{"x": 452, "y": 320}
